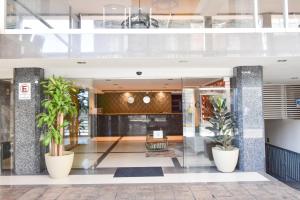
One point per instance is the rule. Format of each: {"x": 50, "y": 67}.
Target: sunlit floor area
{"x": 126, "y": 151}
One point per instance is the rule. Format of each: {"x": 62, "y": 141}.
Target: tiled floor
{"x": 85, "y": 161}
{"x": 129, "y": 151}
{"x": 193, "y": 191}
{"x": 134, "y": 160}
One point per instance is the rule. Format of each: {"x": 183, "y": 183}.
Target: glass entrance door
{"x": 197, "y": 109}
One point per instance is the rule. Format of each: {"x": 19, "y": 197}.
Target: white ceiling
{"x": 144, "y": 84}
{"x": 154, "y": 68}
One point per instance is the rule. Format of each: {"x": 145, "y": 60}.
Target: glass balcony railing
{"x": 151, "y": 14}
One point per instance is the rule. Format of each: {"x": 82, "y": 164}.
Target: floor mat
{"x": 138, "y": 171}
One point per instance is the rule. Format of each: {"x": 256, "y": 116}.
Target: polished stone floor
{"x": 271, "y": 190}
{"x": 126, "y": 151}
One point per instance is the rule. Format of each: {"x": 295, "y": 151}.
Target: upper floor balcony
{"x": 137, "y": 16}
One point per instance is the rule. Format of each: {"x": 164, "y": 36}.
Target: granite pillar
{"x": 247, "y": 84}
{"x": 28, "y": 150}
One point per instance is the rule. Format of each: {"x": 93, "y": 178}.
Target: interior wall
{"x": 284, "y": 133}
{"x": 161, "y": 102}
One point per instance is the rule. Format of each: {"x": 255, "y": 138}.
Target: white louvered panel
{"x": 280, "y": 101}
{"x": 274, "y": 102}
{"x": 292, "y": 93}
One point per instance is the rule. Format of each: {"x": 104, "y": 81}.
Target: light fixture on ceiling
{"x": 281, "y": 60}
{"x": 140, "y": 20}
{"x": 81, "y": 62}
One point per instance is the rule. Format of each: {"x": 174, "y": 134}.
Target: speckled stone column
{"x": 247, "y": 83}
{"x": 28, "y": 151}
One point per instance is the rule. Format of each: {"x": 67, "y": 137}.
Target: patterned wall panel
{"x": 117, "y": 102}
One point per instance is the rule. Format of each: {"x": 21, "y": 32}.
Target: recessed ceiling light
{"x": 281, "y": 60}
{"x": 294, "y": 78}
{"x": 183, "y": 61}
{"x": 81, "y": 62}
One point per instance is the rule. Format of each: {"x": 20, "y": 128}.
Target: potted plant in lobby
{"x": 57, "y": 104}
{"x": 225, "y": 154}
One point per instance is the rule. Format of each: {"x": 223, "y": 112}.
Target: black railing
{"x": 282, "y": 163}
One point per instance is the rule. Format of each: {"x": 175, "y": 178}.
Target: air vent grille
{"x": 280, "y": 101}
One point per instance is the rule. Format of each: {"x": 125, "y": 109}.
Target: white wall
{"x": 284, "y": 133}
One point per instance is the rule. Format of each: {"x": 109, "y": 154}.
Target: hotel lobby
{"x": 149, "y": 99}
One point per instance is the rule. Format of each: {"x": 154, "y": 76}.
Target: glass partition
{"x": 294, "y": 14}
{"x": 6, "y": 126}
{"x": 63, "y": 14}
{"x": 230, "y": 14}
{"x": 271, "y": 13}
{"x": 197, "y": 110}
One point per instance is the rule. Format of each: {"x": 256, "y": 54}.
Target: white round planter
{"x": 225, "y": 160}
{"x": 59, "y": 166}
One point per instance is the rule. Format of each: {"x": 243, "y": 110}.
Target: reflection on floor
{"x": 129, "y": 151}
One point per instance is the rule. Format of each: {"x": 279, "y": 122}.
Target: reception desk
{"x": 120, "y": 124}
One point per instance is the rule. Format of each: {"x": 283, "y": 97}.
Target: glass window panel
{"x": 197, "y": 110}
{"x": 271, "y": 13}
{"x": 294, "y": 14}
{"x": 6, "y": 125}
{"x": 229, "y": 13}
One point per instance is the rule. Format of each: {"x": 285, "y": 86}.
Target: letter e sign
{"x": 24, "y": 91}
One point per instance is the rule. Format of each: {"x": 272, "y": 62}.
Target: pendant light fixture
{"x": 140, "y": 20}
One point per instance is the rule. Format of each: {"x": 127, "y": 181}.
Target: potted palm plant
{"x": 224, "y": 153}
{"x": 57, "y": 104}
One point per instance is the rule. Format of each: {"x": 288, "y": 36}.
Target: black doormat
{"x": 138, "y": 171}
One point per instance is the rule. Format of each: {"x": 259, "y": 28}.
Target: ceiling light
{"x": 140, "y": 20}
{"x": 281, "y": 60}
{"x": 81, "y": 62}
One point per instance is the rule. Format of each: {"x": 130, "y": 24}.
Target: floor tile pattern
{"x": 245, "y": 191}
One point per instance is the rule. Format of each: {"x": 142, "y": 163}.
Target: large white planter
{"x": 59, "y": 166}
{"x": 225, "y": 160}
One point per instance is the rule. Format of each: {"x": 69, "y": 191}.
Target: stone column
{"x": 247, "y": 84}
{"x": 208, "y": 22}
{"x": 28, "y": 151}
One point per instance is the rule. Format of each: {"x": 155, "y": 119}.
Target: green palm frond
{"x": 58, "y": 100}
